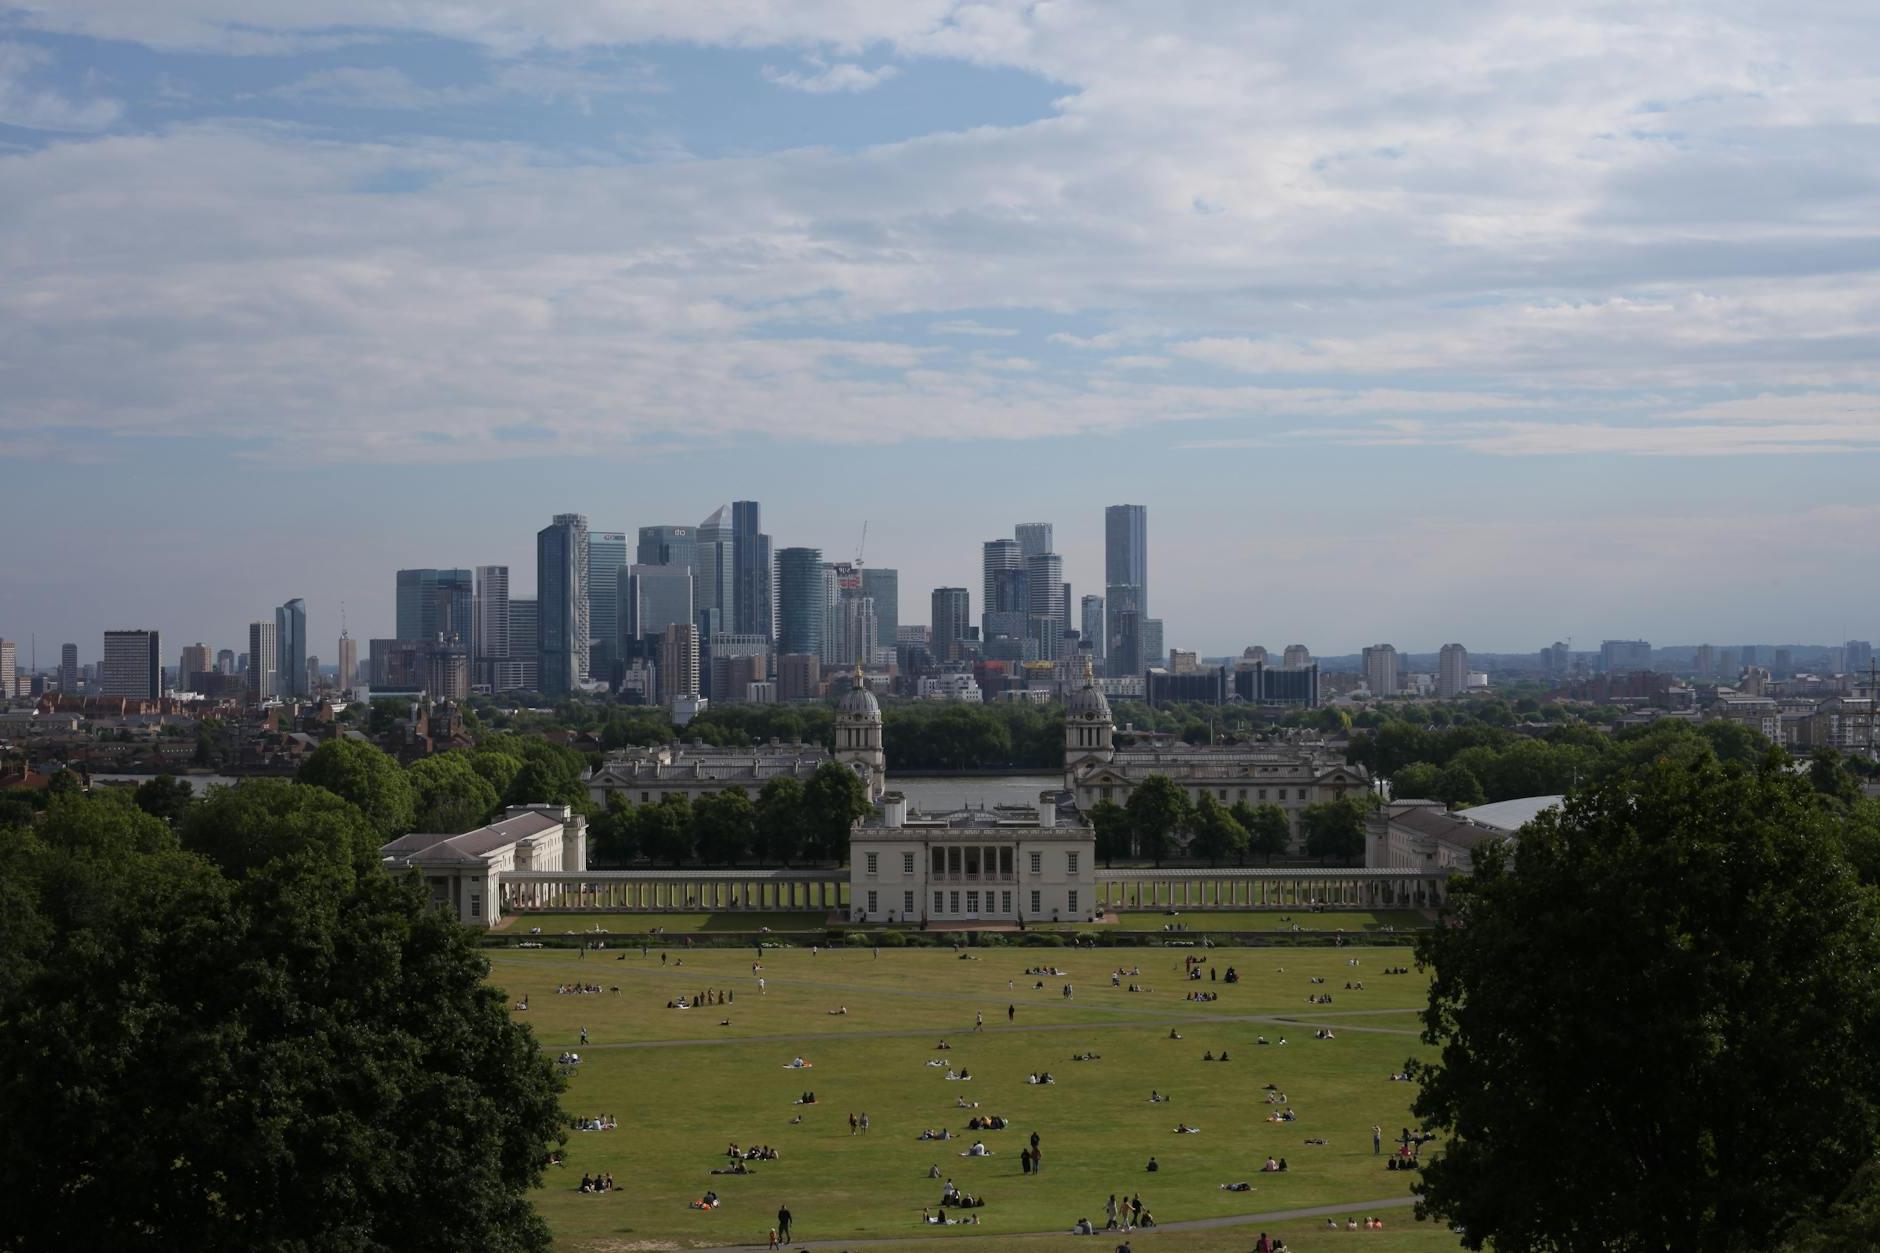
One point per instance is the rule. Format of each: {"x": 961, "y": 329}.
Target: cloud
{"x": 41, "y": 109}
{"x": 966, "y": 326}
{"x": 386, "y": 87}
{"x": 843, "y": 76}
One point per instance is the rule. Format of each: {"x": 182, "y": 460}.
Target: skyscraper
{"x": 492, "y": 624}
{"x": 349, "y": 660}
{"x": 752, "y": 612}
{"x": 678, "y": 662}
{"x": 1625, "y": 655}
{"x": 561, "y": 567}
{"x": 715, "y": 547}
{"x": 654, "y": 598}
{"x": 1033, "y": 538}
{"x": 197, "y": 659}
{"x": 290, "y": 642}
{"x": 667, "y": 546}
{"x": 883, "y": 586}
{"x": 1044, "y": 575}
{"x": 1296, "y": 657}
{"x": 1125, "y": 573}
{"x": 857, "y": 633}
{"x": 264, "y": 662}
{"x": 1093, "y": 629}
{"x": 435, "y": 603}
{"x": 1452, "y": 671}
{"x": 1380, "y": 669}
{"x": 952, "y": 616}
{"x": 800, "y": 601}
{"x": 68, "y": 667}
{"x": 523, "y": 669}
{"x": 9, "y": 668}
{"x": 133, "y": 664}
{"x": 224, "y": 661}
{"x": 607, "y": 556}
{"x": 999, "y": 555}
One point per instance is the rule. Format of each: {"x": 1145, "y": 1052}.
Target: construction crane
{"x": 863, "y": 546}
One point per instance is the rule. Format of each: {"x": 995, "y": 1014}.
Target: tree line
{"x": 789, "y": 821}
{"x": 1157, "y": 819}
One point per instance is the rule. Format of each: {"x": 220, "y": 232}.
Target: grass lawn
{"x": 1274, "y": 919}
{"x": 683, "y": 1083}
{"x": 677, "y": 924}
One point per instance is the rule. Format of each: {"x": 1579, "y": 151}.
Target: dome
{"x": 1088, "y": 703}
{"x": 859, "y": 702}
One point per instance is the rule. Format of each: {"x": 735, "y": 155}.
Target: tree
{"x": 1457, "y": 786}
{"x": 780, "y": 835}
{"x": 725, "y": 824}
{"x": 1269, "y": 833}
{"x": 1157, "y": 810}
{"x": 1416, "y": 781}
{"x": 165, "y": 797}
{"x": 1334, "y": 828}
{"x": 309, "y": 1055}
{"x": 832, "y": 800}
{"x": 451, "y": 794}
{"x": 367, "y": 777}
{"x": 665, "y": 828}
{"x": 1671, "y": 941}
{"x": 1111, "y": 823}
{"x": 259, "y": 821}
{"x": 1217, "y": 835}
{"x": 614, "y": 835}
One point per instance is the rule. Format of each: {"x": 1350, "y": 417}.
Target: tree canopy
{"x": 1671, "y": 987}
{"x": 366, "y": 776}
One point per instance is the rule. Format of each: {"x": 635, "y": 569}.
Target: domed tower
{"x": 1088, "y": 727}
{"x": 858, "y": 735}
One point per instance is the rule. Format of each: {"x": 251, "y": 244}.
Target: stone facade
{"x": 464, "y": 873}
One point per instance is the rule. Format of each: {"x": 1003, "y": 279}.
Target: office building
{"x": 1452, "y": 671}
{"x": 857, "y": 633}
{"x": 1856, "y": 655}
{"x": 715, "y": 584}
{"x": 1033, "y": 538}
{"x": 313, "y": 673}
{"x": 1125, "y": 652}
{"x": 290, "y": 643}
{"x": 952, "y": 619}
{"x": 1045, "y": 590}
{"x": 264, "y": 678}
{"x": 446, "y": 671}
{"x": 435, "y": 603}
{"x": 1704, "y": 661}
{"x": 1199, "y": 686}
{"x": 492, "y": 624}
{"x": 654, "y": 598}
{"x": 196, "y": 660}
{"x": 9, "y": 669}
{"x": 522, "y": 670}
{"x": 799, "y": 675}
{"x": 1259, "y": 683}
{"x": 752, "y": 612}
{"x": 224, "y": 662}
{"x": 561, "y": 565}
{"x": 1151, "y": 639}
{"x": 1625, "y": 655}
{"x": 1296, "y": 657}
{"x": 667, "y": 546}
{"x": 801, "y": 602}
{"x": 734, "y": 677}
{"x": 68, "y": 667}
{"x": 1126, "y": 576}
{"x": 607, "y": 556}
{"x": 349, "y": 661}
{"x": 1784, "y": 664}
{"x": 1000, "y": 560}
{"x": 678, "y": 662}
{"x": 1093, "y": 630}
{"x": 883, "y": 586}
{"x": 133, "y": 665}
{"x": 1380, "y": 670}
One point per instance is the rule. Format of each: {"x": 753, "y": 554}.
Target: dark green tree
{"x": 367, "y": 777}
{"x": 165, "y": 797}
{"x": 1268, "y": 833}
{"x": 614, "y": 835}
{"x": 259, "y": 821}
{"x": 1672, "y": 941}
{"x": 451, "y": 794}
{"x": 1157, "y": 810}
{"x": 726, "y": 826}
{"x": 1218, "y": 837}
{"x": 1416, "y": 781}
{"x": 665, "y": 829}
{"x": 833, "y": 799}
{"x": 1457, "y": 786}
{"x": 1333, "y": 829}
{"x": 306, "y": 1057}
{"x": 780, "y": 832}
{"x": 1111, "y": 823}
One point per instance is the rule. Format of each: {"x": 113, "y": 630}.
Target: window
{"x": 907, "y": 904}
{"x": 1070, "y": 863}
{"x": 874, "y": 863}
{"x": 1037, "y": 863}
{"x": 1036, "y": 905}
{"x": 1262, "y": 793}
{"x": 1073, "y": 902}
{"x": 953, "y": 901}
{"x": 1005, "y": 902}
{"x": 972, "y": 903}
{"x": 476, "y": 905}
{"x": 872, "y": 906}
{"x": 645, "y": 797}
{"x": 907, "y": 863}
{"x": 1243, "y": 793}
{"x": 938, "y": 903}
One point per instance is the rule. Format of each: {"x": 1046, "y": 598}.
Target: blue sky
{"x": 1449, "y": 321}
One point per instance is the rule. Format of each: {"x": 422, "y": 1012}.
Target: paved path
{"x": 1273, "y": 1218}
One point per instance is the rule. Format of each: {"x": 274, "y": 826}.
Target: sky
{"x": 1490, "y": 322}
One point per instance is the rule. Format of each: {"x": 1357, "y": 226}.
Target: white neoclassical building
{"x": 464, "y": 873}
{"x": 1425, "y": 836}
{"x": 1008, "y": 864}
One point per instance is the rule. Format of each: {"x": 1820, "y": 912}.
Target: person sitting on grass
{"x": 1183, "y": 1129}
{"x": 1176, "y": 1035}
{"x": 1153, "y": 1166}
{"x": 1236, "y": 1187}
{"x": 978, "y": 1149}
{"x": 1271, "y": 1166}
{"x": 1083, "y": 1228}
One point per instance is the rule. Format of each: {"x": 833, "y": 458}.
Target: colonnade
{"x": 655, "y": 892}
{"x": 1256, "y": 889}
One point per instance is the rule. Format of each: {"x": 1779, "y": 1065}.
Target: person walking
{"x": 773, "y": 1237}
{"x": 584, "y": 1035}
{"x": 979, "y": 1022}
{"x": 1377, "y": 1139}
{"x": 852, "y": 1124}
{"x": 1109, "y": 1213}
{"x": 1011, "y": 1012}
{"x": 1024, "y": 1160}
{"x": 783, "y": 1222}
{"x": 864, "y": 1122}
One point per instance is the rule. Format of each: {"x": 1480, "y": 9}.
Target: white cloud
{"x": 39, "y": 108}
{"x": 966, "y": 326}
{"x": 842, "y": 76}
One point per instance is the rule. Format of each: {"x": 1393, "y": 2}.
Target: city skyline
{"x": 1576, "y": 333}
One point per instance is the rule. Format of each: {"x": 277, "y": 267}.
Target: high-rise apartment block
{"x": 196, "y": 660}
{"x": 290, "y": 642}
{"x": 349, "y": 661}
{"x": 1452, "y": 671}
{"x": 1296, "y": 657}
{"x": 1856, "y": 656}
{"x": 952, "y": 621}
{"x": 1625, "y": 655}
{"x": 1033, "y": 538}
{"x": 654, "y": 598}
{"x": 753, "y": 611}
{"x": 1126, "y": 584}
{"x": 493, "y": 640}
{"x": 436, "y": 604}
{"x": 9, "y": 669}
{"x": 68, "y": 667}
{"x": 133, "y": 665}
{"x": 522, "y": 671}
{"x": 802, "y": 603}
{"x": 561, "y": 567}
{"x": 1380, "y": 669}
{"x": 264, "y": 679}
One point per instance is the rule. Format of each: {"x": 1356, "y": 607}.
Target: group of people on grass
{"x": 600, "y": 1122}
{"x": 597, "y": 1183}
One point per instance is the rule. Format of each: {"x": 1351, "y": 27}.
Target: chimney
{"x": 893, "y": 809}
{"x": 1047, "y": 809}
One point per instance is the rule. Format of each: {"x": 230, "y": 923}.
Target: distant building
{"x": 463, "y": 874}
{"x": 678, "y": 662}
{"x": 1452, "y": 671}
{"x": 1093, "y": 630}
{"x": 433, "y": 603}
{"x": 1126, "y": 583}
{"x": 654, "y": 598}
{"x": 1625, "y": 655}
{"x": 1188, "y": 662}
{"x": 1296, "y": 656}
{"x": 752, "y": 603}
{"x": 522, "y": 671}
{"x": 196, "y": 660}
{"x": 952, "y": 619}
{"x": 290, "y": 643}
{"x": 1002, "y": 567}
{"x": 561, "y": 568}
{"x": 801, "y": 602}
{"x": 68, "y": 667}
{"x": 1261, "y": 684}
{"x": 264, "y": 677}
{"x": 1380, "y": 670}
{"x": 1166, "y": 687}
{"x": 491, "y": 612}
{"x": 1033, "y": 539}
{"x": 799, "y": 676}
{"x": 348, "y": 662}
{"x": 1856, "y": 656}
{"x": 1044, "y": 576}
{"x": 133, "y": 665}
{"x": 607, "y": 556}
{"x": 9, "y": 669}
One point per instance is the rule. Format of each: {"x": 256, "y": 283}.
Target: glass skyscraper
{"x": 1126, "y": 580}
{"x": 607, "y": 556}
{"x": 801, "y": 601}
{"x": 751, "y": 610}
{"x": 883, "y": 586}
{"x": 290, "y": 642}
{"x": 561, "y": 568}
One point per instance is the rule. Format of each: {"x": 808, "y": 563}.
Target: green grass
{"x": 703, "y": 1084}
{"x": 1274, "y": 919}
{"x": 518, "y": 925}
